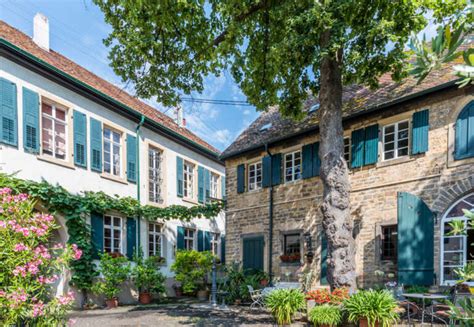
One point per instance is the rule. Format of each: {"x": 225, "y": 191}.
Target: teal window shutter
{"x": 8, "y": 113}
{"x": 464, "y": 130}
{"x": 180, "y": 238}
{"x": 179, "y": 177}
{"x": 132, "y": 169}
{"x": 266, "y": 171}
{"x": 241, "y": 178}
{"x": 223, "y": 249}
{"x": 357, "y": 148}
{"x": 415, "y": 243}
{"x": 31, "y": 108}
{"x": 200, "y": 184}
{"x": 207, "y": 241}
{"x": 200, "y": 240}
{"x": 324, "y": 259}
{"x": 131, "y": 237}
{"x": 97, "y": 234}
{"x": 223, "y": 187}
{"x": 80, "y": 138}
{"x": 96, "y": 145}
{"x": 276, "y": 169}
{"x": 307, "y": 154}
{"x": 316, "y": 161}
{"x": 207, "y": 185}
{"x": 371, "y": 145}
{"x": 420, "y": 129}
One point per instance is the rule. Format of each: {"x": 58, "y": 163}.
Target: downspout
{"x": 270, "y": 217}
{"x": 137, "y": 131}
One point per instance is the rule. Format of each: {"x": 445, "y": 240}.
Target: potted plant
{"x": 284, "y": 303}
{"x": 372, "y": 308}
{"x": 465, "y": 274}
{"x": 147, "y": 277}
{"x": 325, "y": 315}
{"x": 114, "y": 272}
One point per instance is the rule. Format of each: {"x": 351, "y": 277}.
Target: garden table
{"x": 423, "y": 297}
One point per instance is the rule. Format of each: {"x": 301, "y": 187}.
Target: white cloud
{"x": 246, "y": 112}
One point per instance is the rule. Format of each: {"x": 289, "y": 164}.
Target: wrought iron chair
{"x": 256, "y": 296}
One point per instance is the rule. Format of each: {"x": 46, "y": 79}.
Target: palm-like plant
{"x": 284, "y": 303}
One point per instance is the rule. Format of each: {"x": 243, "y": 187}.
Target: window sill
{"x": 460, "y": 162}
{"x": 55, "y": 161}
{"x": 114, "y": 178}
{"x": 396, "y": 161}
{"x": 189, "y": 200}
{"x": 154, "y": 204}
{"x": 291, "y": 264}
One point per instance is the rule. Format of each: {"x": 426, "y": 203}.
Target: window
{"x": 189, "y": 239}
{"x": 154, "y": 175}
{"x": 154, "y": 240}
{"x": 112, "y": 152}
{"x": 456, "y": 250}
{"x": 255, "y": 176}
{"x": 389, "y": 243}
{"x": 188, "y": 180}
{"x": 215, "y": 243}
{"x": 112, "y": 234}
{"x": 292, "y": 166}
{"x": 464, "y": 130}
{"x": 395, "y": 140}
{"x": 54, "y": 130}
{"x": 347, "y": 150}
{"x": 292, "y": 247}
{"x": 214, "y": 185}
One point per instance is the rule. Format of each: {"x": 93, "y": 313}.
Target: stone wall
{"x": 434, "y": 177}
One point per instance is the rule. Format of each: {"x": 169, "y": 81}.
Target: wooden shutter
{"x": 241, "y": 178}
{"x": 8, "y": 113}
{"x": 96, "y": 145}
{"x": 223, "y": 186}
{"x": 131, "y": 237}
{"x": 419, "y": 132}
{"x": 371, "y": 145}
{"x": 324, "y": 259}
{"x": 97, "y": 234}
{"x": 415, "y": 241}
{"x": 316, "y": 167}
{"x": 464, "y": 139}
{"x": 207, "y": 241}
{"x": 276, "y": 169}
{"x": 200, "y": 240}
{"x": 223, "y": 249}
{"x": 31, "y": 114}
{"x": 252, "y": 254}
{"x": 207, "y": 185}
{"x": 200, "y": 184}
{"x": 266, "y": 171}
{"x": 180, "y": 238}
{"x": 307, "y": 154}
{"x": 132, "y": 169}
{"x": 179, "y": 176}
{"x": 80, "y": 138}
{"x": 357, "y": 148}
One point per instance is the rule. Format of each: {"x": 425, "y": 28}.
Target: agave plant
{"x": 377, "y": 307}
{"x": 284, "y": 303}
{"x": 325, "y": 315}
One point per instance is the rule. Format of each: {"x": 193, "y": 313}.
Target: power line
{"x": 217, "y": 101}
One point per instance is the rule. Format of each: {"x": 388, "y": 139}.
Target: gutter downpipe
{"x": 270, "y": 218}
{"x": 137, "y": 131}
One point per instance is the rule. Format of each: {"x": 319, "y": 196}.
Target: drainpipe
{"x": 270, "y": 218}
{"x": 137, "y": 131}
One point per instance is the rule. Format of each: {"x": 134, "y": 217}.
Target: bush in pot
{"x": 147, "y": 277}
{"x": 372, "y": 308}
{"x": 284, "y": 303}
{"x": 326, "y": 315}
{"x": 114, "y": 271}
{"x": 191, "y": 269}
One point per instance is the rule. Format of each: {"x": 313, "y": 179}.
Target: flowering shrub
{"x": 28, "y": 267}
{"x": 321, "y": 296}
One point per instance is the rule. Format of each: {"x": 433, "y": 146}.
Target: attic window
{"x": 313, "y": 108}
{"x": 265, "y": 127}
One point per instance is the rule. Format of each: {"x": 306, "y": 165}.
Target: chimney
{"x": 179, "y": 116}
{"x": 41, "y": 31}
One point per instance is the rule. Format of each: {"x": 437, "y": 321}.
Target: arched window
{"x": 456, "y": 250}
{"x": 464, "y": 140}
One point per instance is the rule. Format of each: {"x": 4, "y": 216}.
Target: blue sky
{"x": 77, "y": 28}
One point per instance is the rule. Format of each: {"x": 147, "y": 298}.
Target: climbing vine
{"x": 76, "y": 207}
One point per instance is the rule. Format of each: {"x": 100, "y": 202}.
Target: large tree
{"x": 278, "y": 52}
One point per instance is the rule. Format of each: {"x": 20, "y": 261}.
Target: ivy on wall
{"x": 76, "y": 207}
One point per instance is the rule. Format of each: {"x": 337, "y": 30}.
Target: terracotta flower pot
{"x": 202, "y": 295}
{"x": 144, "y": 297}
{"x": 365, "y": 323}
{"x": 111, "y": 303}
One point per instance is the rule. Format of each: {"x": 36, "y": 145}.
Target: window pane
{"x": 107, "y": 133}
{"x": 116, "y": 245}
{"x": 116, "y": 138}
{"x": 116, "y": 234}
{"x": 60, "y": 114}
{"x": 390, "y": 129}
{"x": 453, "y": 243}
{"x": 117, "y": 221}
{"x": 60, "y": 140}
{"x": 403, "y": 125}
{"x": 453, "y": 259}
{"x": 107, "y": 232}
{"x": 46, "y": 109}
{"x": 47, "y": 135}
{"x": 107, "y": 220}
{"x": 389, "y": 154}
{"x": 389, "y": 146}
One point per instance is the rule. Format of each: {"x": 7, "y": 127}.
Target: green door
{"x": 253, "y": 253}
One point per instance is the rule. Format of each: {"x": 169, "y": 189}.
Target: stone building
{"x": 410, "y": 150}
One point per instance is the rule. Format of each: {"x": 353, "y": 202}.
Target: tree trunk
{"x": 337, "y": 220}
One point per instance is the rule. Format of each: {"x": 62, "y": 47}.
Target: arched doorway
{"x": 456, "y": 250}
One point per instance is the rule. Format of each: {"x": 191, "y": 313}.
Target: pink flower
{"x": 71, "y": 322}
{"x": 38, "y": 309}
{"x": 2, "y": 223}
{"x": 5, "y": 190}
{"x": 66, "y": 299}
{"x": 2, "y": 293}
{"x": 77, "y": 252}
{"x": 17, "y": 297}
{"x": 20, "y": 247}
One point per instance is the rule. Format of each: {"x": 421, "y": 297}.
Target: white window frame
{"x": 188, "y": 239}
{"x": 293, "y": 166}
{"x": 215, "y": 241}
{"x": 55, "y": 121}
{"x": 155, "y": 173}
{"x": 188, "y": 180}
{"x": 348, "y": 148}
{"x": 110, "y": 156}
{"x": 214, "y": 186}
{"x": 253, "y": 183}
{"x": 463, "y": 238}
{"x": 156, "y": 235}
{"x": 396, "y": 140}
{"x": 113, "y": 228}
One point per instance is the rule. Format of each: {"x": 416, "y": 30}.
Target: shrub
{"x": 191, "y": 269}
{"x": 325, "y": 314}
{"x": 114, "y": 271}
{"x": 375, "y": 306}
{"x": 28, "y": 266}
{"x": 146, "y": 275}
{"x": 284, "y": 303}
{"x": 321, "y": 296}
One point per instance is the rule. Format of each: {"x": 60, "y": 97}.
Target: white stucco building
{"x": 61, "y": 123}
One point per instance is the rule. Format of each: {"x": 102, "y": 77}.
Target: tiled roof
{"x": 356, "y": 100}
{"x": 55, "y": 59}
